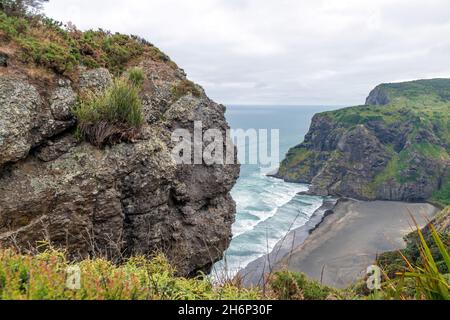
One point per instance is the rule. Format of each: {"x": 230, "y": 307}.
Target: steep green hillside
{"x": 396, "y": 147}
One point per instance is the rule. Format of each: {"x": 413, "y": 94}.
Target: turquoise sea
{"x": 267, "y": 208}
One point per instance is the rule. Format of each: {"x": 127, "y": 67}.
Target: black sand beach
{"x": 342, "y": 246}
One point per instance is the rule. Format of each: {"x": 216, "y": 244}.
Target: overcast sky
{"x": 301, "y": 52}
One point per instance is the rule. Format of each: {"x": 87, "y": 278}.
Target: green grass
{"x": 43, "y": 277}
{"x": 48, "y": 54}
{"x": 390, "y": 172}
{"x": 438, "y": 88}
{"x": 396, "y": 169}
{"x": 295, "y": 160}
{"x": 394, "y": 263}
{"x": 424, "y": 102}
{"x": 295, "y": 286}
{"x": 47, "y": 43}
{"x": 136, "y": 77}
{"x": 110, "y": 117}
{"x": 419, "y": 272}
{"x": 297, "y": 155}
{"x": 431, "y": 150}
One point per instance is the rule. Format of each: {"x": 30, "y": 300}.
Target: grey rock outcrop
{"x": 378, "y": 97}
{"x": 95, "y": 79}
{"x": 62, "y": 101}
{"x": 123, "y": 200}
{"x": 21, "y": 104}
{"x": 25, "y": 120}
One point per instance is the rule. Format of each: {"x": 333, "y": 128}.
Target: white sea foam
{"x": 267, "y": 209}
{"x": 260, "y": 196}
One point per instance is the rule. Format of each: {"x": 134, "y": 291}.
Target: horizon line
{"x": 283, "y": 105}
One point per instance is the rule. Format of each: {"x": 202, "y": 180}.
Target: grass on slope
{"x": 418, "y": 88}
{"x": 425, "y": 107}
{"x": 43, "y": 277}
{"x": 426, "y": 110}
{"x": 47, "y": 43}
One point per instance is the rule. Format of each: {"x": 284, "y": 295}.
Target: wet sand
{"x": 340, "y": 249}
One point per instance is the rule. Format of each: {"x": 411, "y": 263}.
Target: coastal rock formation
{"x": 124, "y": 199}
{"x": 378, "y": 97}
{"x": 394, "y": 148}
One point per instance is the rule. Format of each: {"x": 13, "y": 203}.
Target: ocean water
{"x": 267, "y": 208}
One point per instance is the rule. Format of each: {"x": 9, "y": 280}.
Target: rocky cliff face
{"x": 129, "y": 198}
{"x": 394, "y": 148}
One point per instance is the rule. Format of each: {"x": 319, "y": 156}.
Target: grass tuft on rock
{"x": 136, "y": 77}
{"x": 442, "y": 196}
{"x": 111, "y": 117}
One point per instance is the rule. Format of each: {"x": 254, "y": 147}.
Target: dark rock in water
{"x": 396, "y": 148}
{"x": 126, "y": 199}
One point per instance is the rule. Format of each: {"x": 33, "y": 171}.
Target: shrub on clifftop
{"x": 44, "y": 42}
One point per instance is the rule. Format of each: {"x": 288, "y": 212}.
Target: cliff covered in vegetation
{"x": 85, "y": 148}
{"x": 396, "y": 147}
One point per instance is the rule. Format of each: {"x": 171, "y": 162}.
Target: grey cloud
{"x": 283, "y": 51}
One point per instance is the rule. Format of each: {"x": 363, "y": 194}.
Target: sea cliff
{"x": 122, "y": 198}
{"x": 395, "y": 147}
